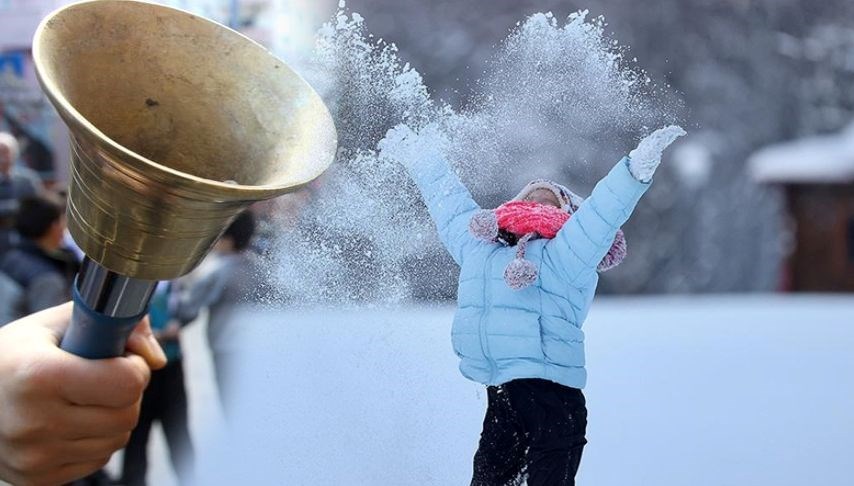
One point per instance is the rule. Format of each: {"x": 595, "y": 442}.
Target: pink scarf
{"x": 523, "y": 217}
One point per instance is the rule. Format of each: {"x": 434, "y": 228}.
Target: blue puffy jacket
{"x": 501, "y": 334}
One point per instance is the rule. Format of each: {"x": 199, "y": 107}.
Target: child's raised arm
{"x": 588, "y": 235}
{"x": 449, "y": 202}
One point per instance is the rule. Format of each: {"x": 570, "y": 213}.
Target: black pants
{"x": 165, "y": 400}
{"x": 534, "y": 429}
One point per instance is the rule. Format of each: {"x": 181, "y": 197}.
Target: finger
{"x": 68, "y": 473}
{"x": 35, "y": 456}
{"x": 143, "y": 343}
{"x": 89, "y": 422}
{"x": 115, "y": 382}
{"x": 54, "y": 320}
{"x": 89, "y": 450}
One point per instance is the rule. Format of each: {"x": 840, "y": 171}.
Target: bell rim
{"x": 238, "y": 191}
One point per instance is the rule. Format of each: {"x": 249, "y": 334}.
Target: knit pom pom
{"x": 520, "y": 273}
{"x": 615, "y": 255}
{"x": 484, "y": 225}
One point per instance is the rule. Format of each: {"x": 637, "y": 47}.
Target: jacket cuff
{"x": 627, "y": 162}
{"x": 622, "y": 181}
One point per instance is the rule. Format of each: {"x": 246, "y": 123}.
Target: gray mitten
{"x": 646, "y": 157}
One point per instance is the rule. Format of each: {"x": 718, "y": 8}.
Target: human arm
{"x": 587, "y": 237}
{"x": 449, "y": 202}
{"x": 62, "y": 416}
{"x": 199, "y": 293}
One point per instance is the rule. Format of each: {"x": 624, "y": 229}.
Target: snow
{"x": 821, "y": 159}
{"x": 723, "y": 391}
{"x": 356, "y": 232}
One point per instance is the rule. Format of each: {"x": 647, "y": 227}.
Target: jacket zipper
{"x": 487, "y": 304}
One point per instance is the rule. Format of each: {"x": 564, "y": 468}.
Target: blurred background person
{"x": 16, "y": 182}
{"x": 11, "y": 299}
{"x": 40, "y": 264}
{"x": 35, "y": 154}
{"x": 164, "y": 401}
{"x": 222, "y": 283}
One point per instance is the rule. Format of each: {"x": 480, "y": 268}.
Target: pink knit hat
{"x": 519, "y": 221}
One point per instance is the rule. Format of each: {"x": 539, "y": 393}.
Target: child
{"x": 528, "y": 276}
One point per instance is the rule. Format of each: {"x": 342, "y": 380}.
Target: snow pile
{"x": 555, "y": 93}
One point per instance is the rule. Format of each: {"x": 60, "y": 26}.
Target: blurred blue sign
{"x": 14, "y": 62}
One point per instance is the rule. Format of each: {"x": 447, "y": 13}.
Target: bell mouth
{"x": 173, "y": 92}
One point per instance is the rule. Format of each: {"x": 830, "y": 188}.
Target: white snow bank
{"x": 723, "y": 391}
{"x": 822, "y": 159}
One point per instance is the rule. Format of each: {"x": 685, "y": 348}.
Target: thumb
{"x": 143, "y": 343}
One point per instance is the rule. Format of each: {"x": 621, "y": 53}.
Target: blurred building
{"x": 285, "y": 26}
{"x": 23, "y": 109}
{"x": 817, "y": 175}
{"x": 19, "y": 20}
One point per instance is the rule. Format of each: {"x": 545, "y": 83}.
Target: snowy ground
{"x": 723, "y": 391}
